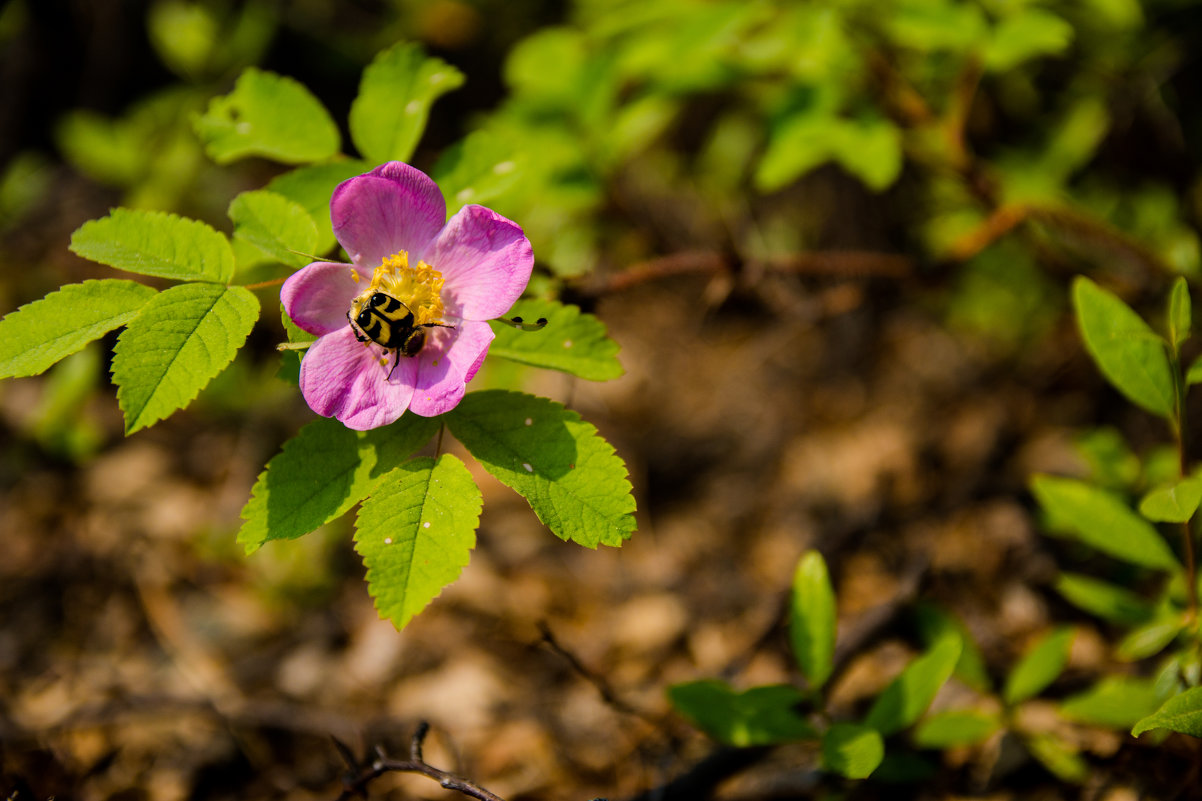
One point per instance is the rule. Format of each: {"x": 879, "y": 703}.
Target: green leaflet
{"x": 321, "y": 473}
{"x": 1150, "y": 638}
{"x": 280, "y": 228}
{"x": 1104, "y": 600}
{"x": 1175, "y": 503}
{"x": 868, "y": 148}
{"x": 477, "y": 168}
{"x": 416, "y": 532}
{"x": 1117, "y": 702}
{"x": 1129, "y": 353}
{"x": 40, "y": 333}
{"x": 1182, "y": 712}
{"x": 1039, "y": 667}
{"x": 572, "y": 342}
{"x": 956, "y": 727}
{"x": 1103, "y": 521}
{"x": 267, "y": 115}
{"x": 812, "y": 619}
{"x": 398, "y": 87}
{"x": 156, "y": 243}
{"x": 852, "y": 750}
{"x": 1060, "y": 757}
{"x": 907, "y": 697}
{"x": 312, "y": 187}
{"x": 181, "y": 339}
{"x": 1180, "y": 312}
{"x": 758, "y": 716}
{"x": 1024, "y": 35}
{"x": 569, "y": 475}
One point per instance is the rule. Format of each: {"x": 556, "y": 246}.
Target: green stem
{"x": 1187, "y": 535}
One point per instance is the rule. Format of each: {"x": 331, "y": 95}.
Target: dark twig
{"x": 602, "y": 686}
{"x": 361, "y": 774}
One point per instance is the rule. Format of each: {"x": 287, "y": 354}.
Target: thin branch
{"x": 360, "y": 775}
{"x": 602, "y": 686}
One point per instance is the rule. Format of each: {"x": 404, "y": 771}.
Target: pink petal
{"x": 394, "y": 207}
{"x": 446, "y": 364}
{"x": 486, "y": 261}
{"x": 341, "y": 377}
{"x": 317, "y": 297}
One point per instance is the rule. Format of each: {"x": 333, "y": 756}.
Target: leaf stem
{"x": 266, "y": 284}
{"x": 1187, "y": 535}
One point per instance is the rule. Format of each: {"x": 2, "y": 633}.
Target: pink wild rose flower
{"x": 449, "y": 276}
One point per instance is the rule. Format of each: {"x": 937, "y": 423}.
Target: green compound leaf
{"x": 398, "y": 87}
{"x": 759, "y": 716}
{"x": 1039, "y": 668}
{"x": 1116, "y": 702}
{"x": 281, "y": 228}
{"x": 40, "y": 333}
{"x": 1175, "y": 503}
{"x": 572, "y": 342}
{"x": 1103, "y": 521}
{"x": 908, "y": 696}
{"x": 416, "y": 532}
{"x": 475, "y": 170}
{"x": 812, "y": 619}
{"x": 1180, "y": 312}
{"x": 182, "y": 338}
{"x": 1127, "y": 351}
{"x": 1181, "y": 713}
{"x": 312, "y": 187}
{"x": 1107, "y": 601}
{"x": 322, "y": 472}
{"x": 569, "y": 475}
{"x": 956, "y": 727}
{"x": 267, "y": 115}
{"x": 156, "y": 243}
{"x": 852, "y": 750}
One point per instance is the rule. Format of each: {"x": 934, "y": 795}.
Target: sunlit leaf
{"x": 1059, "y": 757}
{"x": 1107, "y": 601}
{"x": 278, "y": 227}
{"x": 956, "y": 727}
{"x": 1175, "y": 503}
{"x": 156, "y": 243}
{"x": 905, "y": 699}
{"x": 1103, "y": 521}
{"x": 1181, "y": 713}
{"x": 572, "y": 342}
{"x": 569, "y": 475}
{"x": 1027, "y": 34}
{"x": 267, "y": 115}
{"x": 852, "y": 750}
{"x": 1180, "y": 312}
{"x": 1039, "y": 667}
{"x": 1117, "y": 702}
{"x": 416, "y": 532}
{"x": 180, "y": 340}
{"x": 1129, "y": 353}
{"x": 812, "y": 619}
{"x": 38, "y": 334}
{"x": 312, "y": 186}
{"x": 476, "y": 169}
{"x": 1150, "y": 638}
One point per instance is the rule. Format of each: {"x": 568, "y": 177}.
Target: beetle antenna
{"x": 518, "y": 322}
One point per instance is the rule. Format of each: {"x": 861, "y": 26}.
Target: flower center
{"x": 418, "y": 287}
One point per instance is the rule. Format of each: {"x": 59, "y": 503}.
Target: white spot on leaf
{"x": 388, "y": 540}
{"x": 567, "y": 343}
{"x": 529, "y": 422}
{"x": 504, "y": 167}
{"x": 529, "y": 469}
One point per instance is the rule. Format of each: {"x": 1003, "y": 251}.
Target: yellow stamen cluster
{"x": 419, "y": 288}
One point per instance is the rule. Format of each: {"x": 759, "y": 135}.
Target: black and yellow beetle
{"x": 380, "y": 318}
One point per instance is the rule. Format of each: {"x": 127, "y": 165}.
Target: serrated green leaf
{"x": 1103, "y": 521}
{"x": 1181, "y": 713}
{"x": 572, "y": 342}
{"x": 908, "y": 696}
{"x": 476, "y": 169}
{"x": 852, "y": 750}
{"x": 569, "y": 475}
{"x": 275, "y": 225}
{"x": 1059, "y": 757}
{"x": 416, "y": 533}
{"x": 181, "y": 339}
{"x": 812, "y": 619}
{"x": 956, "y": 727}
{"x": 1116, "y": 604}
{"x": 398, "y": 87}
{"x": 1180, "y": 312}
{"x": 322, "y": 472}
{"x": 156, "y": 243}
{"x": 312, "y": 187}
{"x": 267, "y": 115}
{"x": 1039, "y": 667}
{"x": 40, "y": 333}
{"x": 1150, "y": 638}
{"x": 1127, "y": 351}
{"x": 758, "y": 716}
{"x": 1117, "y": 702}
{"x": 1175, "y": 503}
